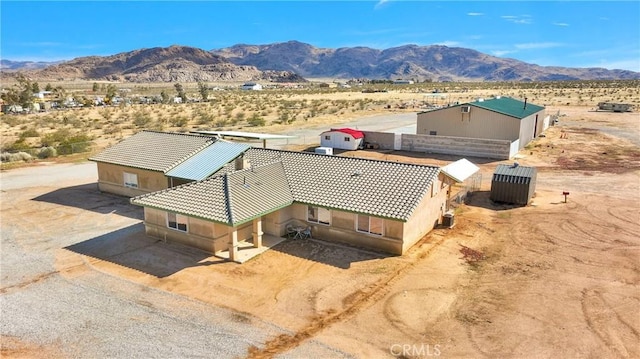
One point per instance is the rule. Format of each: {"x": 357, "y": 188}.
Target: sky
{"x": 548, "y": 33}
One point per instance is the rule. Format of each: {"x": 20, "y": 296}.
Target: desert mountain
{"x": 24, "y": 65}
{"x": 435, "y": 62}
{"x": 169, "y": 64}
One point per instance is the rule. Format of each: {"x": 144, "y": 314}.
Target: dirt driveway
{"x": 553, "y": 279}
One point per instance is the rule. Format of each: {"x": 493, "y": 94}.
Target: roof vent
{"x": 515, "y": 164}
{"x": 356, "y": 173}
{"x": 498, "y": 97}
{"x": 481, "y": 100}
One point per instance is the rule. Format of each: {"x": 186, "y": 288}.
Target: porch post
{"x": 257, "y": 232}
{"x": 233, "y": 244}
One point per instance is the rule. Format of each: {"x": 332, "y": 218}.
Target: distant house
{"x": 500, "y": 118}
{"x": 386, "y": 206}
{"x": 403, "y": 82}
{"x": 252, "y": 86}
{"x": 151, "y": 161}
{"x": 342, "y": 138}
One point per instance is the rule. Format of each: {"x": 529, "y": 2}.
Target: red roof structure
{"x": 350, "y": 131}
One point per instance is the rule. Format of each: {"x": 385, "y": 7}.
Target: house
{"x": 381, "y": 205}
{"x": 342, "y": 138}
{"x": 150, "y": 161}
{"x": 513, "y": 184}
{"x": 252, "y": 86}
{"x": 499, "y": 118}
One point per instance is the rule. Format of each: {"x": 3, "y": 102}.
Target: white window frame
{"x": 347, "y": 139}
{"x": 327, "y": 137}
{"x": 368, "y": 230}
{"x": 321, "y": 213}
{"x": 179, "y": 219}
{"x": 130, "y": 179}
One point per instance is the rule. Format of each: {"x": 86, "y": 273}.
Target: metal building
{"x": 513, "y": 184}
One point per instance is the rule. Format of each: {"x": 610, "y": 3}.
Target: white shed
{"x": 342, "y": 138}
{"x": 252, "y": 86}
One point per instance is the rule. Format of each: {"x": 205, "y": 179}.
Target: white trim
{"x": 368, "y": 231}
{"x": 318, "y": 214}
{"x": 130, "y": 180}
{"x": 180, "y": 219}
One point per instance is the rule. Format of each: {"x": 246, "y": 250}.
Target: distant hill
{"x": 9, "y": 65}
{"x": 293, "y": 61}
{"x": 168, "y": 64}
{"x": 435, "y": 62}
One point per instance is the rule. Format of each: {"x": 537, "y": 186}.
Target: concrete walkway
{"x": 246, "y": 250}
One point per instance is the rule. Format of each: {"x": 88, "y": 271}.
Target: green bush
{"x": 47, "y": 152}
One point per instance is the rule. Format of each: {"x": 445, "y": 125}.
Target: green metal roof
{"x": 508, "y": 106}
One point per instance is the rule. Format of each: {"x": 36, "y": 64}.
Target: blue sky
{"x": 549, "y": 33}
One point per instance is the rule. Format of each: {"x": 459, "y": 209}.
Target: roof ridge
{"x": 227, "y": 194}
{"x": 375, "y": 160}
{"x": 189, "y": 134}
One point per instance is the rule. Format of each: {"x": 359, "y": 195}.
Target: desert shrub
{"x": 178, "y": 121}
{"x": 66, "y": 142}
{"x": 47, "y": 152}
{"x": 141, "y": 118}
{"x": 32, "y": 132}
{"x": 12, "y": 120}
{"x": 256, "y": 120}
{"x": 14, "y": 157}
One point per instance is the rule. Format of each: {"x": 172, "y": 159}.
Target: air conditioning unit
{"x": 465, "y": 109}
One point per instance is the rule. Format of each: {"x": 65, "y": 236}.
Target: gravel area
{"x": 47, "y": 211}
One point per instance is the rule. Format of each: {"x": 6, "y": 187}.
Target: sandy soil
{"x": 552, "y": 279}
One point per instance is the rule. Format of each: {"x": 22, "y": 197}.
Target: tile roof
{"x": 508, "y": 106}
{"x": 155, "y": 151}
{"x": 233, "y": 198}
{"x": 278, "y": 178}
{"x": 206, "y": 162}
{"x": 378, "y": 188}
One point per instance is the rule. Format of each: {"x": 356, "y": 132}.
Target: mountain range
{"x": 294, "y": 61}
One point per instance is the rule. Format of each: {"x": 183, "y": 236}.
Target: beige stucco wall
{"x": 427, "y": 215}
{"x": 205, "y": 235}
{"x": 111, "y": 179}
{"x": 479, "y": 123}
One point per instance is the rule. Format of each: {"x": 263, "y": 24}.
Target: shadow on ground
{"x": 130, "y": 247}
{"x": 88, "y": 197}
{"x": 482, "y": 199}
{"x": 332, "y": 254}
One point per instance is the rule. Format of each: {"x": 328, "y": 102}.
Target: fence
{"x": 64, "y": 149}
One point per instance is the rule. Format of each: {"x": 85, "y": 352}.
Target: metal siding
{"x": 479, "y": 123}
{"x": 208, "y": 161}
{"x": 513, "y": 184}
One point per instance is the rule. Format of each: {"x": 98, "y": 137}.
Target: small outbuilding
{"x": 513, "y": 184}
{"x": 252, "y": 86}
{"x": 342, "y": 138}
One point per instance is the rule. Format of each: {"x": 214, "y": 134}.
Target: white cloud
{"x": 537, "y": 45}
{"x": 475, "y": 14}
{"x": 380, "y": 3}
{"x": 448, "y": 43}
{"x": 561, "y": 24}
{"x": 501, "y": 53}
{"x": 520, "y": 19}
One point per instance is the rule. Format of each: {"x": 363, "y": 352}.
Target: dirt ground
{"x": 551, "y": 279}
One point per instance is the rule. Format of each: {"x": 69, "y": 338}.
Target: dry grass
{"x": 283, "y": 109}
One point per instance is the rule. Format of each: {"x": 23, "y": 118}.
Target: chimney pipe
{"x": 525, "y": 103}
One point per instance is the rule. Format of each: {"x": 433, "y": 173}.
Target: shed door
{"x": 397, "y": 142}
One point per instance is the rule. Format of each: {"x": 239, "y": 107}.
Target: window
{"x": 328, "y": 138}
{"x": 347, "y": 139}
{"x": 434, "y": 189}
{"x": 130, "y": 180}
{"x": 318, "y": 215}
{"x": 368, "y": 224}
{"x": 177, "y": 221}
{"x": 433, "y": 133}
